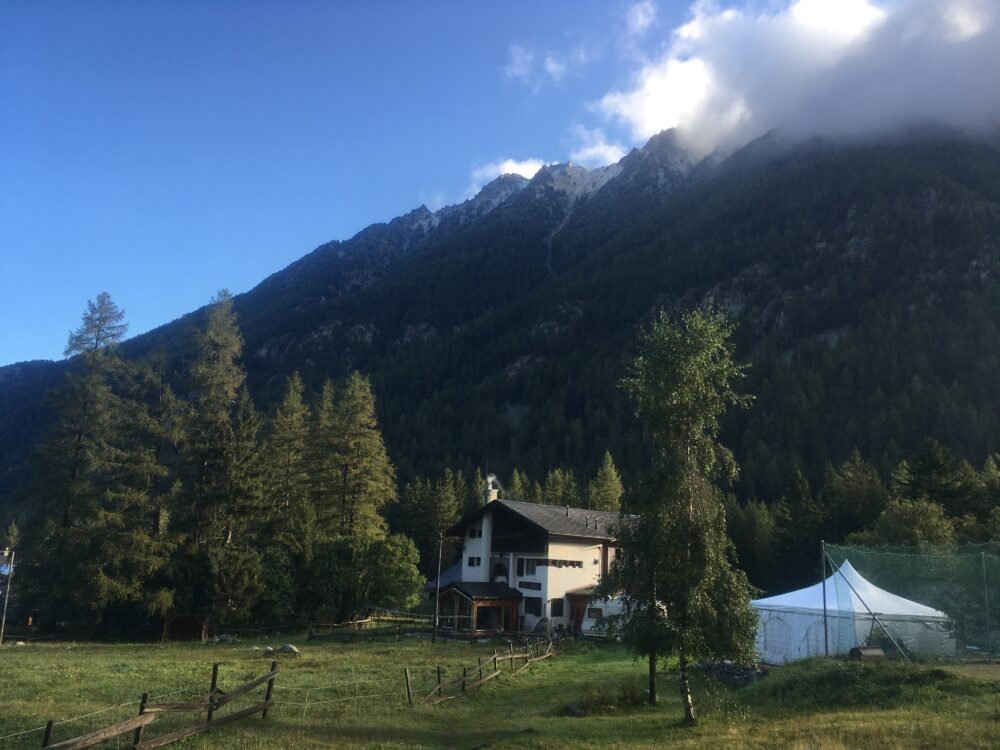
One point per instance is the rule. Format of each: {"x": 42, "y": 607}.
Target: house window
{"x": 529, "y": 567}
{"x": 595, "y": 613}
{"x": 556, "y": 609}
{"x": 531, "y": 585}
{"x": 520, "y": 566}
{"x": 476, "y": 533}
{"x": 475, "y": 562}
{"x": 533, "y": 605}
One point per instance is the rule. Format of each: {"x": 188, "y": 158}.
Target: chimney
{"x": 490, "y": 491}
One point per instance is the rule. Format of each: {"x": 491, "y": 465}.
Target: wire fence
{"x": 301, "y": 703}
{"x": 960, "y": 581}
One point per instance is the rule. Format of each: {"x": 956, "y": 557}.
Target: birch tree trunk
{"x": 685, "y": 688}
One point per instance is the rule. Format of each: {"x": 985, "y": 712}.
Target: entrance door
{"x": 577, "y": 611}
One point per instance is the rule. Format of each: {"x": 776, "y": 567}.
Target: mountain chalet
{"x": 522, "y": 562}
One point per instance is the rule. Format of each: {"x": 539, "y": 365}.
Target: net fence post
{"x": 986, "y": 602}
{"x": 822, "y": 578}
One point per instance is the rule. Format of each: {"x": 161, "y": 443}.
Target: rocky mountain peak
{"x": 492, "y": 195}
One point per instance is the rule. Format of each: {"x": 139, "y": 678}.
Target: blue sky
{"x": 163, "y": 150}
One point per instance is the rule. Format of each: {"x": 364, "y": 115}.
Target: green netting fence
{"x": 963, "y": 581}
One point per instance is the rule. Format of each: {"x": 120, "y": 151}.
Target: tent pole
{"x": 899, "y": 648}
{"x": 822, "y": 578}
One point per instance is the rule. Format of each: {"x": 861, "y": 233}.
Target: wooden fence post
{"x": 47, "y": 737}
{"x": 480, "y": 667}
{"x": 270, "y": 690}
{"x": 212, "y": 689}
{"x": 137, "y": 738}
{"x": 465, "y": 673}
{"x": 409, "y": 692}
{"x": 439, "y": 681}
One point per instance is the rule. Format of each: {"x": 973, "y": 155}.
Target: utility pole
{"x": 6, "y": 591}
{"x": 437, "y": 589}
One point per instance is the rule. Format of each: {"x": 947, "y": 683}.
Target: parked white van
{"x": 597, "y": 611}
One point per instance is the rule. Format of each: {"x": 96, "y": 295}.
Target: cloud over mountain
{"x": 834, "y": 66}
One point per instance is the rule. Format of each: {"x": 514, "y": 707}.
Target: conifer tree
{"x": 100, "y": 538}
{"x": 424, "y": 511}
{"x": 605, "y": 490}
{"x": 365, "y": 480}
{"x": 518, "y": 487}
{"x": 536, "y": 495}
{"x": 799, "y": 523}
{"x": 473, "y": 499}
{"x": 854, "y": 495}
{"x": 362, "y": 484}
{"x": 681, "y": 591}
{"x": 12, "y": 537}
{"x": 323, "y": 464}
{"x": 561, "y": 489}
{"x": 204, "y": 508}
{"x": 289, "y": 487}
{"x": 460, "y": 489}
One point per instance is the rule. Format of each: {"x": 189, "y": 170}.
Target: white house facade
{"x": 522, "y": 562}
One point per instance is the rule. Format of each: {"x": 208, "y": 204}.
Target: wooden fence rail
{"x": 490, "y": 670}
{"x": 149, "y": 712}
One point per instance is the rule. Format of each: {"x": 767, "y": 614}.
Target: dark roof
{"x": 559, "y": 520}
{"x": 482, "y": 590}
{"x": 450, "y": 575}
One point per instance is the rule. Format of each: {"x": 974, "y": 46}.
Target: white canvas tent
{"x": 791, "y": 625}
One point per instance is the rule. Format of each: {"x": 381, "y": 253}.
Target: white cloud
{"x": 555, "y": 67}
{"x": 640, "y": 17}
{"x": 730, "y": 74}
{"x": 966, "y": 18}
{"x": 844, "y": 18}
{"x": 532, "y": 68}
{"x": 595, "y": 150}
{"x": 520, "y": 62}
{"x": 484, "y": 173}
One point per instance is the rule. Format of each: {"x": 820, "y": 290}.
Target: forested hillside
{"x": 862, "y": 278}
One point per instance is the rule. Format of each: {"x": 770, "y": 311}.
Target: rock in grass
{"x": 268, "y": 650}
{"x": 574, "y": 709}
{"x": 288, "y": 648}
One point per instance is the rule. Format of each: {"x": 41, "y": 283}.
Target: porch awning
{"x": 479, "y": 591}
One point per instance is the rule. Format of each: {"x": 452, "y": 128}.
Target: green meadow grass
{"x": 826, "y": 704}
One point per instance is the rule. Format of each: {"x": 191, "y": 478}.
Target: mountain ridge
{"x": 521, "y": 311}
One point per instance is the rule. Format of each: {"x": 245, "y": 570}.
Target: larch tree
{"x": 675, "y": 568}
{"x": 518, "y": 486}
{"x": 287, "y": 461}
{"x": 324, "y": 465}
{"x": 204, "y": 507}
{"x": 561, "y": 489}
{"x": 362, "y": 483}
{"x": 99, "y": 533}
{"x": 101, "y": 328}
{"x": 605, "y": 490}
{"x": 366, "y": 479}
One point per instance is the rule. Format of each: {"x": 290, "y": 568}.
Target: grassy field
{"x": 824, "y": 704}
